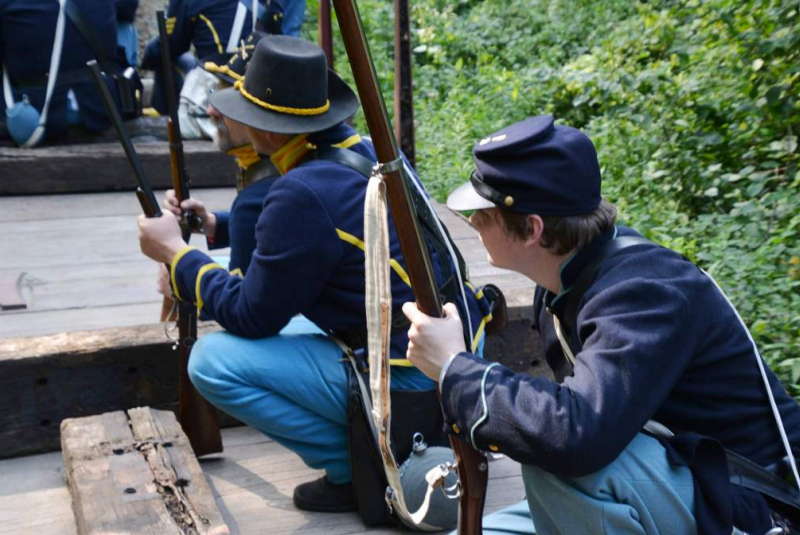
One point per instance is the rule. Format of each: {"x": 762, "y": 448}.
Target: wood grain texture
{"x": 103, "y": 167}
{"x": 252, "y": 484}
{"x": 135, "y": 474}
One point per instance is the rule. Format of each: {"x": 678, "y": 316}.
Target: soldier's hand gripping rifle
{"x": 197, "y": 416}
{"x": 472, "y": 464}
{"x": 180, "y": 180}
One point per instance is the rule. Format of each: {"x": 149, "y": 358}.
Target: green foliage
{"x": 693, "y": 107}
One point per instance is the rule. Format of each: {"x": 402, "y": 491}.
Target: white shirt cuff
{"x": 443, "y": 371}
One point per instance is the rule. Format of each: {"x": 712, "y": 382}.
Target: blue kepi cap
{"x": 534, "y": 167}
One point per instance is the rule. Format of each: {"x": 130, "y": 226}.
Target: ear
{"x": 536, "y": 226}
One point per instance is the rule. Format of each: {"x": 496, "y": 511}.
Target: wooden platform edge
{"x": 97, "y": 167}
{"x": 135, "y": 472}
{"x": 45, "y": 380}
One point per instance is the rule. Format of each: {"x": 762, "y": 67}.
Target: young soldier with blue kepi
{"x": 660, "y": 398}
{"x": 270, "y": 370}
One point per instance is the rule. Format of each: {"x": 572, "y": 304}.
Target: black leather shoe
{"x": 323, "y": 496}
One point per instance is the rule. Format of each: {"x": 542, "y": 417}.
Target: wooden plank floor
{"x": 81, "y": 268}
{"x": 252, "y": 483}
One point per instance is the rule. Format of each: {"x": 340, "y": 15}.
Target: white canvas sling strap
{"x": 55, "y": 61}
{"x": 760, "y": 362}
{"x": 379, "y": 321}
{"x": 238, "y": 26}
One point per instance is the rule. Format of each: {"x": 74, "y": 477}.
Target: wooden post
{"x": 403, "y": 81}
{"x": 325, "y": 31}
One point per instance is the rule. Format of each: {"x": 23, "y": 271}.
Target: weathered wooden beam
{"x": 44, "y": 380}
{"x": 135, "y": 474}
{"x": 95, "y": 167}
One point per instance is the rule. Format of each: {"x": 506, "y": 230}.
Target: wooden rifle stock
{"x": 472, "y": 464}
{"x": 197, "y": 416}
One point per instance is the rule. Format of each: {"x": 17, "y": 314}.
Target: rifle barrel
{"x": 145, "y": 191}
{"x": 417, "y": 258}
{"x": 179, "y": 181}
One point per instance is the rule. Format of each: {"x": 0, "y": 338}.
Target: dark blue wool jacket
{"x": 308, "y": 258}
{"x": 659, "y": 342}
{"x": 206, "y": 24}
{"x": 237, "y": 228}
{"x": 27, "y": 31}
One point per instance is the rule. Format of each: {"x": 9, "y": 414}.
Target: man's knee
{"x": 206, "y": 360}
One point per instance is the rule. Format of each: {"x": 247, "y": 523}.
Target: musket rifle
{"x": 472, "y": 464}
{"x": 197, "y": 416}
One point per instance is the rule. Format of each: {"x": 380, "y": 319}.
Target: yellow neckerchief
{"x": 287, "y": 157}
{"x": 245, "y": 156}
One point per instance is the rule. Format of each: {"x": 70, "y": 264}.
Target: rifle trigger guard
{"x": 389, "y": 167}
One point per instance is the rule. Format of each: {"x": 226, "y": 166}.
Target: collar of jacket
{"x": 260, "y": 170}
{"x": 572, "y": 268}
{"x": 245, "y": 156}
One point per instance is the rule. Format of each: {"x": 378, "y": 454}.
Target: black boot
{"x": 323, "y": 496}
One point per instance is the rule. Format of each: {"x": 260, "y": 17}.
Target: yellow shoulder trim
{"x": 402, "y": 363}
{"x": 479, "y": 332}
{"x": 352, "y": 240}
{"x": 203, "y": 270}
{"x": 349, "y": 142}
{"x": 237, "y": 273}
{"x": 213, "y": 32}
{"x": 174, "y": 264}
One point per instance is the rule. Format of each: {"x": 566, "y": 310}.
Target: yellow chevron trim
{"x": 203, "y": 270}
{"x": 237, "y": 273}
{"x": 395, "y": 265}
{"x": 213, "y": 32}
{"x": 349, "y": 142}
{"x": 174, "y": 264}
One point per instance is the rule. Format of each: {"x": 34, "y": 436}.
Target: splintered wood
{"x": 136, "y": 474}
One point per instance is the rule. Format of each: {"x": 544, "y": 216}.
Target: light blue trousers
{"x": 638, "y": 493}
{"x": 292, "y": 387}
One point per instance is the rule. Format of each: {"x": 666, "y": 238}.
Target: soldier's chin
{"x": 223, "y": 140}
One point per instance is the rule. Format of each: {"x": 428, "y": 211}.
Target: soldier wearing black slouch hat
{"x": 272, "y": 369}
{"x": 662, "y": 417}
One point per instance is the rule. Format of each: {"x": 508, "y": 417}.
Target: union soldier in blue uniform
{"x": 27, "y": 35}
{"x": 234, "y": 228}
{"x": 212, "y": 27}
{"x": 271, "y": 371}
{"x": 642, "y": 344}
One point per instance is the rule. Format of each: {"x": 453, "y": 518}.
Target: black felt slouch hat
{"x": 287, "y": 89}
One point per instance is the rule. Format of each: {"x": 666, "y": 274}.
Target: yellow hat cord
{"x": 224, "y": 69}
{"x": 239, "y": 85}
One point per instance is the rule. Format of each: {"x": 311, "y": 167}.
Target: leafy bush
{"x": 693, "y": 107}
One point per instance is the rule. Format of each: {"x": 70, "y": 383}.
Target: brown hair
{"x": 563, "y": 234}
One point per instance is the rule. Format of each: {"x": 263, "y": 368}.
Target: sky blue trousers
{"x": 638, "y": 493}
{"x": 292, "y": 387}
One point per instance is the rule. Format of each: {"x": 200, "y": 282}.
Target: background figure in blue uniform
{"x": 235, "y": 228}
{"x": 27, "y": 32}
{"x": 283, "y": 378}
{"x": 212, "y": 27}
{"x": 633, "y": 332}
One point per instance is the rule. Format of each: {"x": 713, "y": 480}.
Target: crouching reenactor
{"x": 283, "y": 375}
{"x": 662, "y": 418}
